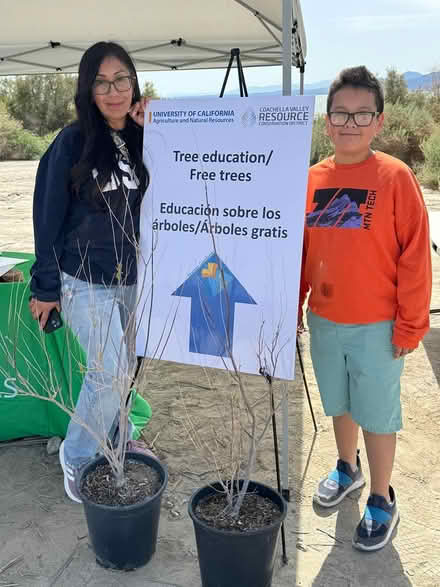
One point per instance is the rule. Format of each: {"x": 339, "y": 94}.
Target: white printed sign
{"x": 223, "y": 223}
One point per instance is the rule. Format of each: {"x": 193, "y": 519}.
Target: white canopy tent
{"x": 44, "y": 36}
{"x": 49, "y": 36}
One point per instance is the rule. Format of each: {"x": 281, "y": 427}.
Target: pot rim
{"x": 224, "y": 531}
{"x": 129, "y": 507}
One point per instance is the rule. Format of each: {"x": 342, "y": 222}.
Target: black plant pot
{"x": 124, "y": 536}
{"x": 232, "y": 559}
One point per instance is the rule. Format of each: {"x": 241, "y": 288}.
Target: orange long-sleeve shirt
{"x": 366, "y": 254}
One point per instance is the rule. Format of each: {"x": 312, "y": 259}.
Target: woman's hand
{"x": 137, "y": 111}
{"x": 40, "y": 310}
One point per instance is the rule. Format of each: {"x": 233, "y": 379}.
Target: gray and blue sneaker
{"x": 378, "y": 522}
{"x": 339, "y": 483}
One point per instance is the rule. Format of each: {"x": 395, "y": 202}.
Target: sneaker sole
{"x": 66, "y": 482}
{"x": 363, "y": 548}
{"x": 355, "y": 485}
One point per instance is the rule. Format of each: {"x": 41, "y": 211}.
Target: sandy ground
{"x": 48, "y": 533}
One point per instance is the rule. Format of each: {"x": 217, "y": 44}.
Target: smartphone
{"x": 53, "y": 322}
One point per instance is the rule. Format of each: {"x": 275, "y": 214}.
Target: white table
{"x": 434, "y": 228}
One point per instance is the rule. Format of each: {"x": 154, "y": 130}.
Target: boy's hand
{"x": 399, "y": 351}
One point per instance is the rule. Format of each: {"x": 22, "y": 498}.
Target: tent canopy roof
{"x": 48, "y": 36}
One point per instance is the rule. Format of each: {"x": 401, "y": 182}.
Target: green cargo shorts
{"x": 356, "y": 372}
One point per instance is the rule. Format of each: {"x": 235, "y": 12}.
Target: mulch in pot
{"x": 141, "y": 482}
{"x": 255, "y": 512}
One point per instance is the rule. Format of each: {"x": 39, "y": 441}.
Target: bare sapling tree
{"x": 245, "y": 416}
{"x": 40, "y": 379}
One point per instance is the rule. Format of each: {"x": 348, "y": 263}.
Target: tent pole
{"x": 287, "y": 91}
{"x": 287, "y": 47}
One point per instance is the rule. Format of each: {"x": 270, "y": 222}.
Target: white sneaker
{"x": 70, "y": 474}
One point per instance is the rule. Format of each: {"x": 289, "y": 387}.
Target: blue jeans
{"x": 103, "y": 319}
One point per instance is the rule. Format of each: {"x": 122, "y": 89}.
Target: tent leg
{"x": 301, "y": 80}
{"x": 287, "y": 91}
{"x": 287, "y": 47}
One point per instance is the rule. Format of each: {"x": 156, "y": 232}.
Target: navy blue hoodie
{"x": 73, "y": 233}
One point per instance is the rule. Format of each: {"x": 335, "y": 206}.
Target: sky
{"x": 404, "y": 34}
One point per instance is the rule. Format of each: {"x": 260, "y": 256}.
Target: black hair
{"x": 99, "y": 151}
{"x": 357, "y": 77}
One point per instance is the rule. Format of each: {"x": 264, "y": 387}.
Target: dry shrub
{"x": 321, "y": 144}
{"x": 16, "y": 143}
{"x": 406, "y": 128}
{"x": 8, "y": 128}
{"x": 433, "y": 105}
{"x": 429, "y": 172}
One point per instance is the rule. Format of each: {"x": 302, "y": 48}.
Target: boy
{"x": 367, "y": 262}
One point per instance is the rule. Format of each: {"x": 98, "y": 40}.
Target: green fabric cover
{"x": 34, "y": 351}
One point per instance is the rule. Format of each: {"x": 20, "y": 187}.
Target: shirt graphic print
{"x": 337, "y": 208}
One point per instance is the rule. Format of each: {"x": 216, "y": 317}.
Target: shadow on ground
{"x": 359, "y": 566}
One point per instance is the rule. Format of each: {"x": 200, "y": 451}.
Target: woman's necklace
{"x": 120, "y": 145}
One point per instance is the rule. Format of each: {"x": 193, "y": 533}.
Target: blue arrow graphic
{"x": 214, "y": 290}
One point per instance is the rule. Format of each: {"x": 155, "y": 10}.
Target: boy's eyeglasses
{"x": 122, "y": 84}
{"x": 360, "y": 118}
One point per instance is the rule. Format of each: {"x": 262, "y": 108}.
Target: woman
{"x": 87, "y": 199}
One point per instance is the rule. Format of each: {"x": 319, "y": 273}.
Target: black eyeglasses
{"x": 360, "y": 118}
{"x": 122, "y": 84}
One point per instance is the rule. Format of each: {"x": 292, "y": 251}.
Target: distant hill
{"x": 408, "y": 75}
{"x": 414, "y": 80}
{"x": 419, "y": 81}
{"x": 309, "y": 89}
